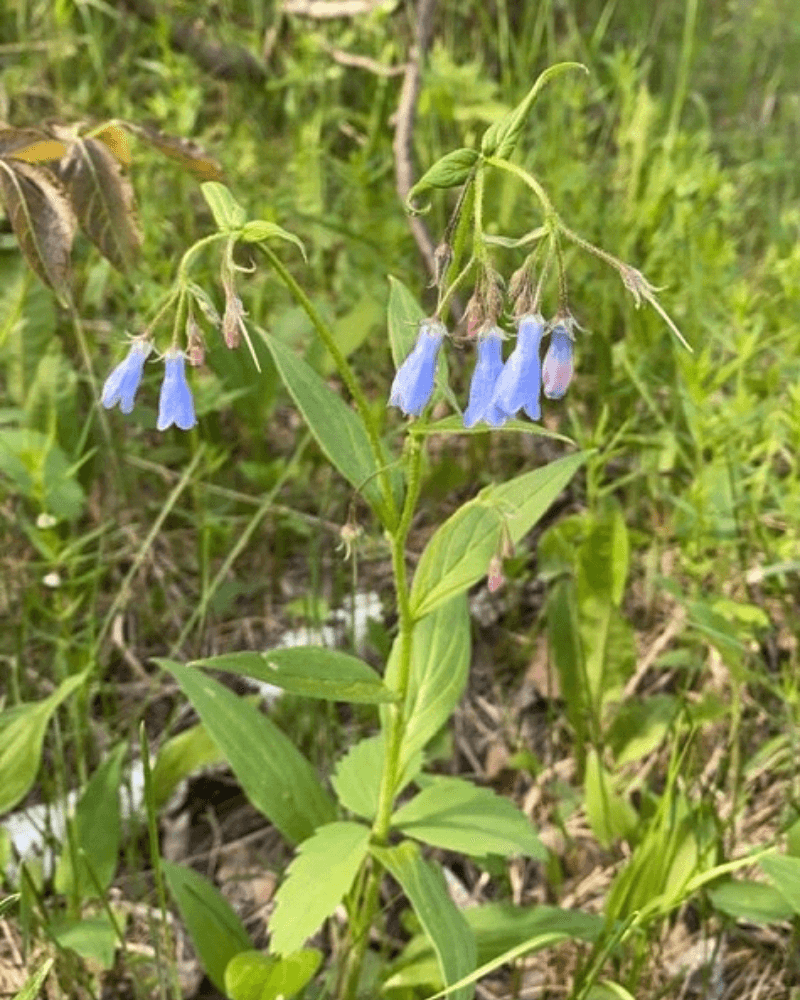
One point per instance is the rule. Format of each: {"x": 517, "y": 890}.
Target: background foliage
{"x": 664, "y": 593}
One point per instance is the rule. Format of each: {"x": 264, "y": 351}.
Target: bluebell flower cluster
{"x": 175, "y": 406}
{"x": 499, "y": 390}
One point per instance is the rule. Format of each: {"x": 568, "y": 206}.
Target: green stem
{"x": 551, "y": 216}
{"x": 348, "y": 377}
{"x": 397, "y": 717}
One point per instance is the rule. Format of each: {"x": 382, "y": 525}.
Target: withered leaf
{"x": 185, "y": 151}
{"x": 41, "y": 217}
{"x": 103, "y": 199}
{"x": 29, "y": 145}
{"x": 117, "y": 141}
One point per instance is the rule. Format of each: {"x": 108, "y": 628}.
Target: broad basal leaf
{"x": 318, "y": 879}
{"x": 97, "y": 833}
{"x": 41, "y": 217}
{"x": 439, "y": 665}
{"x": 312, "y": 671}
{"x": 216, "y": 932}
{"x": 276, "y": 777}
{"x": 22, "y": 730}
{"x": 459, "y": 816}
{"x": 103, "y": 200}
{"x": 181, "y": 756}
{"x": 252, "y": 975}
{"x": 444, "y": 924}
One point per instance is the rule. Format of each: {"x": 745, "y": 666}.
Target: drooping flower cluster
{"x": 175, "y": 404}
{"x": 499, "y": 390}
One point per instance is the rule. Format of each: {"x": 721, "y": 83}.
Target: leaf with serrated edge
{"x": 459, "y": 816}
{"x": 103, "y": 199}
{"x": 41, "y": 217}
{"x": 357, "y": 776}
{"x": 318, "y": 878}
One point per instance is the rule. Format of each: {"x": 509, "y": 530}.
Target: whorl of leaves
{"x": 58, "y": 178}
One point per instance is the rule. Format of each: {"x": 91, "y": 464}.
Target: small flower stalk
{"x": 175, "y": 403}
{"x": 122, "y": 384}
{"x": 412, "y": 387}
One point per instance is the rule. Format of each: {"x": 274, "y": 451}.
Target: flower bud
{"x": 557, "y": 368}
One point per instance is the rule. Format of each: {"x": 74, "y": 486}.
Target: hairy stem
{"x": 395, "y": 730}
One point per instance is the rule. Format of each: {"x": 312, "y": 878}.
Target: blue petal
{"x": 175, "y": 403}
{"x": 122, "y": 384}
{"x": 484, "y": 378}
{"x": 412, "y": 387}
{"x": 520, "y": 382}
{"x": 557, "y": 368}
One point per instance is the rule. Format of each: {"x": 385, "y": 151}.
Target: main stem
{"x": 394, "y": 731}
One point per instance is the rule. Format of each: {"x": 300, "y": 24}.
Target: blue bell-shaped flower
{"x": 520, "y": 382}
{"x": 557, "y": 368}
{"x": 484, "y": 379}
{"x": 175, "y": 403}
{"x": 412, "y": 387}
{"x": 122, "y": 384}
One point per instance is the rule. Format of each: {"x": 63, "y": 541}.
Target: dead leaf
{"x": 29, "y": 145}
{"x": 103, "y": 199}
{"x": 117, "y": 141}
{"x": 184, "y": 151}
{"x": 41, "y": 217}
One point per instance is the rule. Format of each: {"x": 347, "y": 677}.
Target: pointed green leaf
{"x": 440, "y": 654}
{"x": 454, "y": 424}
{"x": 260, "y": 229}
{"x": 94, "y": 937}
{"x": 30, "y": 991}
{"x": 216, "y": 932}
{"x": 524, "y": 500}
{"x": 228, "y": 213}
{"x": 459, "y": 816}
{"x": 784, "y": 872}
{"x": 181, "y": 756}
{"x": 275, "y": 776}
{"x": 97, "y": 833}
{"x": 610, "y": 816}
{"x": 338, "y": 430}
{"x": 404, "y": 314}
{"x": 444, "y": 924}
{"x": 450, "y": 171}
{"x": 22, "y": 730}
{"x": 755, "y": 902}
{"x": 322, "y": 872}
{"x": 312, "y": 671}
{"x": 252, "y": 975}
{"x": 500, "y": 139}
{"x": 456, "y": 556}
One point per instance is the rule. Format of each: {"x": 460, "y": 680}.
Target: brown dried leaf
{"x": 41, "y": 217}
{"x": 184, "y": 151}
{"x": 117, "y": 141}
{"x": 29, "y": 145}
{"x": 103, "y": 200}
